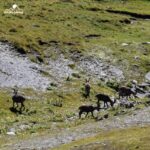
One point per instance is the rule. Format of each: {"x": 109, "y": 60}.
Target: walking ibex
{"x": 106, "y": 99}
{"x": 88, "y": 109}
{"x": 125, "y": 92}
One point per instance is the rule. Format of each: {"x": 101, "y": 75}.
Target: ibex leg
{"x": 107, "y": 104}
{"x": 87, "y": 114}
{"x": 22, "y": 106}
{"x": 104, "y": 104}
{"x": 80, "y": 113}
{"x": 92, "y": 114}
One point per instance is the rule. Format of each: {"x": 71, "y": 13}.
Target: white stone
{"x": 134, "y": 82}
{"x": 11, "y": 133}
{"x": 124, "y": 44}
{"x": 15, "y": 6}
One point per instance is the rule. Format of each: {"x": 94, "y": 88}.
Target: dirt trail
{"x": 140, "y": 117}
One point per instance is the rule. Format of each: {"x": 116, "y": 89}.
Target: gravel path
{"x": 141, "y": 117}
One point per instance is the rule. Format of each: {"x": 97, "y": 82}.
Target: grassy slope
{"x": 39, "y": 111}
{"x": 39, "y": 108}
{"x": 124, "y": 139}
{"x": 66, "y": 22}
{"x": 69, "y": 23}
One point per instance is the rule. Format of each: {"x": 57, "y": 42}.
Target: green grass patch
{"x": 125, "y": 139}
{"x": 42, "y": 110}
{"x": 84, "y": 26}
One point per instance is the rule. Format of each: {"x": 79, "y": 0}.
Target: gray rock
{"x": 146, "y": 43}
{"x": 12, "y": 130}
{"x": 134, "y": 82}
{"x": 24, "y": 127}
{"x": 147, "y": 77}
{"x": 144, "y": 84}
{"x": 127, "y": 104}
{"x": 140, "y": 95}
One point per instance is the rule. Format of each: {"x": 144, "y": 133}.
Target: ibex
{"x": 125, "y": 92}
{"x": 87, "y": 88}
{"x": 88, "y": 109}
{"x": 18, "y": 99}
{"x": 106, "y": 99}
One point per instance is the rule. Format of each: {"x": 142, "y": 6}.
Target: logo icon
{"x": 13, "y": 10}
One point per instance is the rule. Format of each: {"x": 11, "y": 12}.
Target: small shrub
{"x": 113, "y": 84}
{"x": 58, "y": 118}
{"x": 76, "y": 75}
{"x": 13, "y": 30}
{"x": 68, "y": 78}
{"x": 49, "y": 88}
{"x": 57, "y": 103}
{"x": 32, "y": 131}
{"x": 101, "y": 84}
{"x": 33, "y": 58}
{"x": 71, "y": 114}
{"x": 53, "y": 84}
{"x": 72, "y": 66}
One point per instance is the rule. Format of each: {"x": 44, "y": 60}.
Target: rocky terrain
{"x": 18, "y": 70}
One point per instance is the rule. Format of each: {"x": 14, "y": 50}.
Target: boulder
{"x": 134, "y": 82}
{"x": 144, "y": 85}
{"x": 147, "y": 77}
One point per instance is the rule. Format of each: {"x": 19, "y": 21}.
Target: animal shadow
{"x": 15, "y": 110}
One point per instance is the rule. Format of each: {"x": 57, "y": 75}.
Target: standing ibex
{"x": 106, "y": 99}
{"x": 88, "y": 109}
{"x": 18, "y": 99}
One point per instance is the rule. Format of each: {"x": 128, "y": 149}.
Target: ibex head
{"x": 15, "y": 89}
{"x": 87, "y": 80}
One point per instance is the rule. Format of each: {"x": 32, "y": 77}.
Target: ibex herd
{"x": 123, "y": 92}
